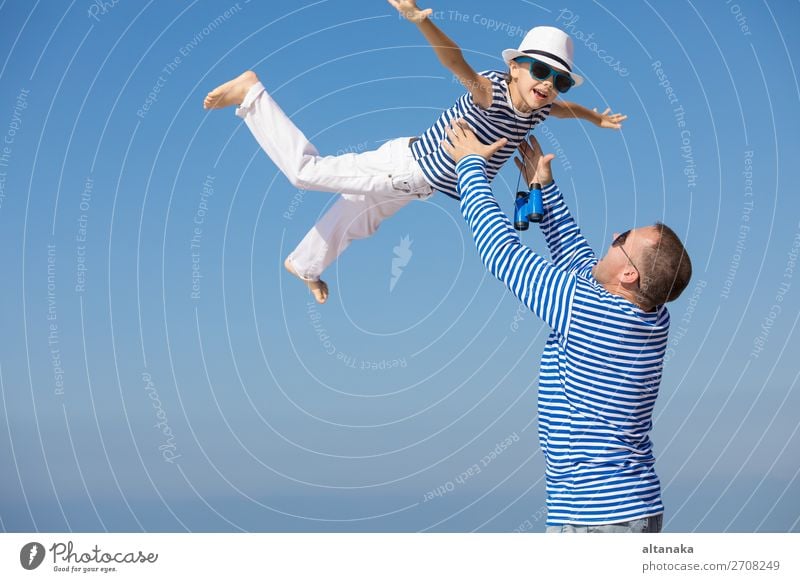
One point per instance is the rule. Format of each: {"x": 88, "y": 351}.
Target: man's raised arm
{"x": 546, "y": 290}
{"x": 568, "y": 249}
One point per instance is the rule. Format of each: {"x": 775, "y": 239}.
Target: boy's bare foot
{"x": 319, "y": 288}
{"x": 232, "y": 92}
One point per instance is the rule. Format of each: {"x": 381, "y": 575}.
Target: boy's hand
{"x": 537, "y": 165}
{"x": 461, "y": 141}
{"x": 409, "y": 10}
{"x": 610, "y": 120}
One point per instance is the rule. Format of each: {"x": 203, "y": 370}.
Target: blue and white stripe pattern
{"x": 490, "y": 124}
{"x": 600, "y": 370}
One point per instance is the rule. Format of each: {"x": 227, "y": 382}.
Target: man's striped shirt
{"x": 600, "y": 370}
{"x": 498, "y": 120}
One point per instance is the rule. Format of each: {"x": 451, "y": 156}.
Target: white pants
{"x": 374, "y": 185}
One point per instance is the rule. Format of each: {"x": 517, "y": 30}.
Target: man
{"x": 601, "y": 367}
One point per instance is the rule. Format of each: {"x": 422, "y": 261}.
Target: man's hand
{"x": 610, "y": 120}
{"x": 409, "y": 10}
{"x": 461, "y": 141}
{"x": 536, "y": 167}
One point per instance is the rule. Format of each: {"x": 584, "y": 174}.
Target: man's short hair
{"x": 666, "y": 265}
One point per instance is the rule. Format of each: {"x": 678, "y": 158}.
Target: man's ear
{"x": 629, "y": 274}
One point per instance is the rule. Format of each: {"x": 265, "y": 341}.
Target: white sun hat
{"x": 549, "y": 45}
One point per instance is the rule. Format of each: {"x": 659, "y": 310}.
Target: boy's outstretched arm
{"x": 448, "y": 52}
{"x": 607, "y": 119}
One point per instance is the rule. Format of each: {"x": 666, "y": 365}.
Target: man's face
{"x": 618, "y": 268}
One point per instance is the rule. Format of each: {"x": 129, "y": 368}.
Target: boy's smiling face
{"x": 527, "y": 92}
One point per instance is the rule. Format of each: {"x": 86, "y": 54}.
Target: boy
{"x": 374, "y": 185}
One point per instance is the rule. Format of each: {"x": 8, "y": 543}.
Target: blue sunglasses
{"x": 543, "y": 71}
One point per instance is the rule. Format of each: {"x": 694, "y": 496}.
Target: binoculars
{"x": 528, "y": 207}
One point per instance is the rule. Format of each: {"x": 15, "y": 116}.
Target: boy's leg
{"x": 351, "y": 217}
{"x": 358, "y": 216}
{"x": 289, "y": 148}
{"x": 378, "y": 183}
{"x": 299, "y": 160}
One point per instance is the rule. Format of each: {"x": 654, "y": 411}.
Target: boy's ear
{"x": 512, "y": 69}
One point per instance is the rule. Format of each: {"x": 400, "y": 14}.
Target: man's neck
{"x": 628, "y": 295}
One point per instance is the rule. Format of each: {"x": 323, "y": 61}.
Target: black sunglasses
{"x": 543, "y": 71}
{"x": 618, "y": 242}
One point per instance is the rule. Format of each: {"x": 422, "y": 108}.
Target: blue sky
{"x": 152, "y": 382}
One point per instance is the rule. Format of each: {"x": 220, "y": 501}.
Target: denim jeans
{"x": 650, "y": 524}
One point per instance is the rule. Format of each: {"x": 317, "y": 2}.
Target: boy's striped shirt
{"x": 497, "y": 121}
{"x": 600, "y": 370}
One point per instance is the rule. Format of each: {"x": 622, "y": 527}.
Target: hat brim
{"x": 511, "y": 54}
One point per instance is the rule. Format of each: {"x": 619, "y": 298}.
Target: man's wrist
{"x": 468, "y": 158}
